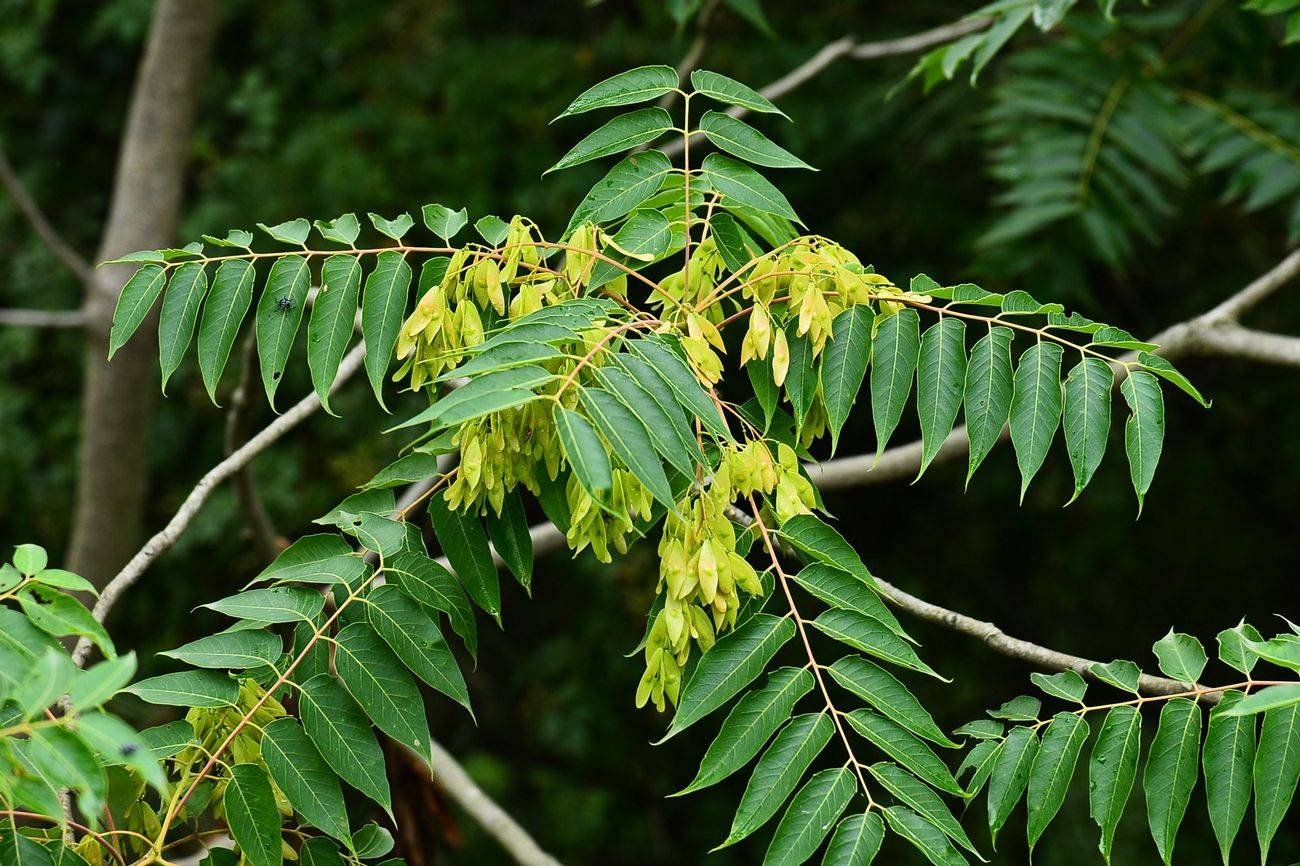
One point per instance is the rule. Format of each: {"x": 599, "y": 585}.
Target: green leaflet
{"x": 417, "y": 641}
{"x": 315, "y": 851}
{"x": 1277, "y": 769}
{"x": 118, "y": 745}
{"x": 434, "y": 587}
{"x": 1120, "y": 673}
{"x": 884, "y": 692}
{"x": 1270, "y": 698}
{"x": 627, "y": 437}
{"x": 869, "y": 635}
{"x": 847, "y": 592}
{"x": 1144, "y": 432}
{"x": 778, "y": 772}
{"x": 740, "y": 139}
{"x": 812, "y": 536}
{"x": 383, "y": 306}
{"x": 1228, "y": 755}
{"x": 292, "y": 232}
{"x": 59, "y": 614}
{"x": 626, "y": 88}
{"x": 1066, "y": 685}
{"x": 167, "y": 740}
{"x": 98, "y": 683}
{"x": 940, "y": 379}
{"x": 19, "y": 850}
{"x": 372, "y": 841}
{"x": 180, "y": 311}
{"x": 273, "y": 604}
{"x": 659, "y": 389}
{"x": 490, "y": 392}
{"x": 1035, "y": 408}
{"x": 252, "y": 815}
{"x": 509, "y": 533}
{"x": 584, "y": 451}
{"x": 279, "y": 312}
{"x": 664, "y": 358}
{"x": 393, "y": 228}
{"x": 927, "y": 838}
{"x": 492, "y": 228}
{"x": 732, "y": 92}
{"x": 988, "y": 394}
{"x": 222, "y": 314}
{"x": 187, "y": 689}
{"x": 810, "y": 816}
{"x": 1166, "y": 371}
{"x": 901, "y": 745}
{"x": 856, "y": 841}
{"x": 628, "y": 184}
{"x": 236, "y": 650}
{"x": 1112, "y": 770}
{"x": 979, "y": 761}
{"x": 377, "y": 533}
{"x": 893, "y": 362}
{"x": 844, "y": 365}
{"x": 133, "y": 304}
{"x": 64, "y": 760}
{"x": 742, "y": 184}
{"x": 671, "y": 436}
{"x": 1053, "y": 767}
{"x": 622, "y": 133}
{"x": 1087, "y": 418}
{"x": 320, "y": 558}
{"x": 644, "y": 237}
{"x": 443, "y": 221}
{"x": 380, "y": 683}
{"x": 38, "y": 686}
{"x": 735, "y": 245}
{"x": 1181, "y": 657}
{"x": 464, "y": 543}
{"x": 344, "y": 229}
{"x": 343, "y": 737}
{"x": 333, "y": 318}
{"x": 749, "y": 725}
{"x": 1171, "y": 771}
{"x": 922, "y": 800}
{"x": 1233, "y": 650}
{"x": 801, "y": 379}
{"x": 503, "y": 356}
{"x": 1010, "y": 775}
{"x": 734, "y": 662}
{"x": 306, "y": 780}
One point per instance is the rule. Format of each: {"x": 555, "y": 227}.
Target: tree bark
{"x": 118, "y": 398}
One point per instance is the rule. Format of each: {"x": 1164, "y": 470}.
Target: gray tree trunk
{"x": 118, "y": 398}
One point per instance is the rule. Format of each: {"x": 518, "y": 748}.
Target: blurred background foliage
{"x": 314, "y": 109}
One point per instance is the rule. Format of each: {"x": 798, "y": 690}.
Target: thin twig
{"x": 62, "y": 250}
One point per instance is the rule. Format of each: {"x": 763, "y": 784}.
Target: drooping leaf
{"x": 465, "y": 544}
{"x": 133, "y": 304}
{"x": 59, "y": 614}
{"x": 988, "y": 394}
{"x": 372, "y": 841}
{"x": 1277, "y": 769}
{"x": 1087, "y": 418}
{"x": 380, "y": 683}
{"x": 844, "y": 365}
{"x": 669, "y": 366}
{"x": 1171, "y": 772}
{"x": 1053, "y": 767}
{"x": 279, "y": 313}
{"x": 306, "y": 780}
{"x": 884, "y": 692}
{"x": 342, "y": 735}
{"x": 740, "y": 139}
{"x": 869, "y": 635}
{"x": 735, "y": 245}
{"x": 905, "y": 748}
{"x": 734, "y": 662}
{"x": 1228, "y": 758}
{"x": 180, "y": 312}
{"x": 894, "y": 355}
{"x": 333, "y": 318}
{"x": 922, "y": 800}
{"x": 117, "y": 744}
{"x": 433, "y": 586}
{"x": 383, "y": 306}
{"x": 801, "y": 376}
{"x": 810, "y": 816}
{"x": 940, "y": 379}
{"x": 924, "y": 836}
{"x": 187, "y": 689}
{"x": 840, "y": 589}
{"x": 252, "y": 816}
{"x": 812, "y": 536}
{"x": 730, "y": 91}
{"x": 417, "y": 641}
{"x": 1035, "y": 408}
{"x": 778, "y": 772}
{"x": 641, "y": 84}
{"x": 1268, "y": 698}
{"x": 1112, "y": 770}
{"x": 1165, "y": 370}
{"x": 670, "y": 434}
{"x": 509, "y": 533}
{"x": 856, "y": 841}
{"x": 750, "y": 724}
{"x": 584, "y": 451}
{"x": 622, "y": 133}
{"x": 744, "y": 185}
{"x": 1144, "y": 431}
{"x": 1010, "y": 776}
{"x": 627, "y": 436}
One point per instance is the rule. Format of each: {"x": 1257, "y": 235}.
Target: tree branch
{"x": 62, "y": 250}
{"x": 44, "y": 318}
{"x": 848, "y": 46}
{"x": 268, "y": 540}
{"x": 1213, "y": 333}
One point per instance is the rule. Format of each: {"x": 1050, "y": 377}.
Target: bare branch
{"x": 848, "y": 46}
{"x": 44, "y": 318}
{"x": 1213, "y": 333}
{"x": 166, "y": 537}
{"x": 62, "y": 250}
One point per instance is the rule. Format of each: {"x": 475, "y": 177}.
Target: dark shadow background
{"x": 313, "y": 109}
